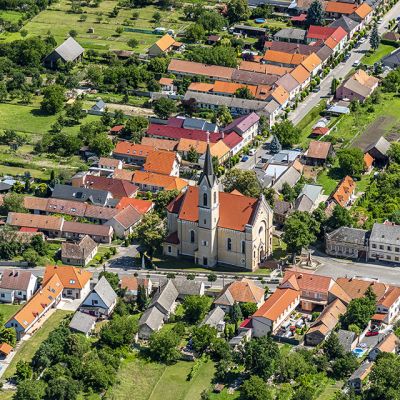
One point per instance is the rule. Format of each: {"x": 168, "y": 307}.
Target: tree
{"x": 334, "y": 85}
{"x": 235, "y": 313}
{"x": 53, "y": 99}
{"x": 142, "y": 298}
{"x": 23, "y": 371}
{"x": 120, "y": 331}
{"x": 248, "y": 309}
{"x": 62, "y": 388}
{"x": 13, "y": 202}
{"x": 158, "y": 65}
{"x": 73, "y": 33}
{"x": 30, "y": 390}
{"x": 255, "y": 388}
{"x": 315, "y": 14}
{"x": 340, "y": 217}
{"x": 135, "y": 127}
{"x": 119, "y": 30}
{"x": 224, "y": 117}
{"x": 195, "y": 308}
{"x": 8, "y": 335}
{"x": 211, "y": 21}
{"x": 238, "y": 10}
{"x": 244, "y": 93}
{"x": 75, "y": 111}
{"x": 157, "y": 17}
{"x": 359, "y": 311}
{"x": 374, "y": 39}
{"x": 224, "y": 55}
{"x": 31, "y": 257}
{"x": 162, "y": 199}
{"x": 150, "y": 232}
{"x": 332, "y": 347}
{"x": 394, "y": 153}
{"x": 163, "y": 347}
{"x": 343, "y": 367}
{"x": 133, "y": 43}
{"x": 112, "y": 278}
{"x": 286, "y": 132}
{"x": 275, "y": 146}
{"x": 288, "y": 192}
{"x": 351, "y": 161}
{"x": 164, "y": 107}
{"x": 203, "y": 337}
{"x": 195, "y": 33}
{"x": 244, "y": 181}
{"x": 106, "y": 118}
{"x": 299, "y": 231}
{"x": 193, "y": 155}
{"x": 102, "y": 145}
{"x": 261, "y": 356}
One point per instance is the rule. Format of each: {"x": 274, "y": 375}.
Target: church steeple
{"x": 208, "y": 169}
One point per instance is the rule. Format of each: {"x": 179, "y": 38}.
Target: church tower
{"x": 207, "y": 253}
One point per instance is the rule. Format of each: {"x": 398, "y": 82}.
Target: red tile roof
{"x": 117, "y": 187}
{"x": 132, "y": 149}
{"x": 232, "y": 139}
{"x": 309, "y": 282}
{"x": 318, "y": 149}
{"x": 320, "y": 32}
{"x": 179, "y": 133}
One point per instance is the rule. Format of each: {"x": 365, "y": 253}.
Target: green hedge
{"x": 390, "y": 43}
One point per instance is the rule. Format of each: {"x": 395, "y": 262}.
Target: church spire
{"x": 208, "y": 170}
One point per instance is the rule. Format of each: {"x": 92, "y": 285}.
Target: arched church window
{"x": 204, "y": 199}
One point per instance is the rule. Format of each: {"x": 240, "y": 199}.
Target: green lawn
{"x": 7, "y": 394}
{"x": 372, "y": 57}
{"x": 8, "y": 310}
{"x": 327, "y": 181}
{"x": 329, "y": 391}
{"x": 28, "y": 348}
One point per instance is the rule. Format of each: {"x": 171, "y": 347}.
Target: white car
{"x": 356, "y": 63}
{"x": 252, "y": 152}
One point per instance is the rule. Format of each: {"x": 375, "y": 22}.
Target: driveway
{"x": 125, "y": 258}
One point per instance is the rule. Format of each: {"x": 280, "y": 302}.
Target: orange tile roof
{"x": 390, "y": 297}
{"x": 364, "y": 79}
{"x": 389, "y": 343}
{"x": 344, "y": 191}
{"x": 142, "y": 206}
{"x": 231, "y": 88}
{"x": 5, "y": 348}
{"x": 309, "y": 282}
{"x": 166, "y": 81}
{"x": 318, "y": 149}
{"x": 132, "y": 149}
{"x": 263, "y": 91}
{"x": 263, "y": 68}
{"x": 44, "y": 222}
{"x": 242, "y": 207}
{"x": 165, "y": 42}
{"x": 245, "y": 291}
{"x": 340, "y": 8}
{"x": 123, "y": 174}
{"x": 162, "y": 181}
{"x": 364, "y": 10}
{"x": 356, "y": 288}
{"x": 201, "y": 87}
{"x": 368, "y": 160}
{"x": 277, "y": 303}
{"x": 131, "y": 282}
{"x": 311, "y": 62}
{"x": 160, "y": 162}
{"x": 70, "y": 277}
{"x": 199, "y": 145}
{"x": 280, "y": 95}
{"x": 195, "y": 68}
{"x": 284, "y": 58}
{"x": 219, "y": 149}
{"x": 300, "y": 74}
{"x": 160, "y": 144}
{"x": 38, "y": 302}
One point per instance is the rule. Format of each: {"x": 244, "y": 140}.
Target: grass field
{"x": 372, "y": 57}
{"x": 7, "y": 310}
{"x": 28, "y": 348}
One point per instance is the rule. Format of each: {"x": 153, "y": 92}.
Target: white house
{"x": 17, "y": 285}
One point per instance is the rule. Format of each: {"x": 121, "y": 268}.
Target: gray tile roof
{"x": 382, "y": 145}
{"x": 166, "y": 296}
{"x": 105, "y": 291}
{"x": 225, "y": 298}
{"x": 67, "y": 192}
{"x": 69, "y": 50}
{"x": 78, "y": 250}
{"x": 311, "y": 191}
{"x": 288, "y": 82}
{"x": 346, "y": 338}
{"x": 153, "y": 318}
{"x": 392, "y": 60}
{"x": 282, "y": 207}
{"x": 290, "y": 33}
{"x": 186, "y": 287}
{"x": 290, "y": 176}
{"x": 349, "y": 235}
{"x": 303, "y": 203}
{"x": 82, "y": 322}
{"x": 324, "y": 53}
{"x": 385, "y": 233}
{"x": 214, "y": 317}
{"x": 254, "y": 78}
{"x": 346, "y": 23}
{"x": 200, "y": 124}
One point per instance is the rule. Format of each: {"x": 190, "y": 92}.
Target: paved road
{"x": 340, "y": 71}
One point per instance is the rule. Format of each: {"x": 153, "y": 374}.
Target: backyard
{"x": 372, "y": 57}
{"x": 7, "y": 310}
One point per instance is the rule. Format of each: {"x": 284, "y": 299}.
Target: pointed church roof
{"x": 208, "y": 170}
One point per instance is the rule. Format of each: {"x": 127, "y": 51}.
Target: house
{"x": 368, "y": 162}
{"x": 17, "y": 285}
{"x": 281, "y": 210}
{"x": 42, "y": 301}
{"x": 348, "y": 24}
{"x": 243, "y": 336}
{"x": 164, "y": 45}
{"x": 186, "y": 287}
{"x": 347, "y": 339}
{"x": 392, "y": 60}
{"x": 276, "y": 309}
{"x": 125, "y": 221}
{"x": 389, "y": 305}
{"x": 101, "y": 301}
{"x": 334, "y": 9}
{"x": 378, "y": 151}
{"x": 325, "y": 323}
{"x": 280, "y": 95}
{"x": 151, "y": 182}
{"x": 99, "y": 106}
{"x": 384, "y": 243}
{"x": 81, "y": 194}
{"x": 160, "y": 144}
{"x": 5, "y": 349}
{"x": 151, "y": 321}
{"x": 219, "y": 150}
{"x": 75, "y": 281}
{"x": 309, "y": 198}
{"x": 359, "y": 87}
{"x": 142, "y": 206}
{"x": 215, "y": 319}
{"x": 213, "y": 39}
{"x": 132, "y": 153}
{"x": 69, "y": 51}
{"x": 246, "y": 126}
{"x": 200, "y": 224}
{"x": 318, "y": 152}
{"x": 302, "y": 76}
{"x": 282, "y": 59}
{"x": 240, "y": 291}
{"x": 388, "y": 344}
{"x": 312, "y": 64}
{"x": 356, "y": 288}
{"x": 347, "y": 242}
{"x": 291, "y": 176}
{"x": 167, "y": 85}
{"x": 132, "y": 283}
{"x": 316, "y": 291}
{"x": 249, "y": 31}
{"x": 358, "y": 376}
{"x": 363, "y": 14}
{"x": 82, "y": 323}
{"x": 77, "y": 230}
{"x": 116, "y": 129}
{"x": 109, "y": 164}
{"x": 173, "y": 133}
{"x": 290, "y": 35}
{"x": 290, "y": 84}
{"x": 392, "y": 36}
{"x": 343, "y": 195}
{"x": 80, "y": 253}
{"x": 316, "y": 33}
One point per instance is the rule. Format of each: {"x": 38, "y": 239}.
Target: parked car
{"x": 245, "y": 158}
{"x": 346, "y": 57}
{"x": 252, "y": 152}
{"x": 356, "y": 63}
{"x": 363, "y": 40}
{"x": 372, "y": 333}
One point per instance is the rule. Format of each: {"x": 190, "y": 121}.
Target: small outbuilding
{"x": 69, "y": 51}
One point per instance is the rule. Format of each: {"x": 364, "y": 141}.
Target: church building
{"x": 214, "y": 227}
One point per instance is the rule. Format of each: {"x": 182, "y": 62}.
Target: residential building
{"x": 80, "y": 253}
{"x": 309, "y": 198}
{"x": 42, "y": 301}
{"x": 290, "y": 35}
{"x": 348, "y": 24}
{"x": 77, "y": 230}
{"x": 215, "y": 319}
{"x": 347, "y": 242}
{"x": 101, "y": 301}
{"x": 325, "y": 323}
{"x": 302, "y": 76}
{"x": 246, "y": 126}
{"x": 392, "y": 60}
{"x": 318, "y": 152}
{"x": 151, "y": 182}
{"x": 186, "y": 287}
{"x": 250, "y": 31}
{"x": 347, "y": 339}
{"x": 343, "y": 195}
{"x": 200, "y": 225}
{"x": 389, "y": 305}
{"x": 356, "y": 288}
{"x": 69, "y": 51}
{"x": 368, "y": 162}
{"x": 164, "y": 45}
{"x": 160, "y": 144}
{"x": 378, "y": 151}
{"x": 384, "y": 243}
{"x": 359, "y": 87}
{"x": 312, "y": 64}
{"x": 283, "y": 59}
{"x": 276, "y": 309}
{"x": 142, "y": 206}
{"x": 358, "y": 376}
{"x": 335, "y": 9}
{"x": 290, "y": 175}
{"x": 240, "y": 291}
{"x": 132, "y": 153}
{"x": 83, "y": 323}
{"x": 290, "y": 84}
{"x": 388, "y": 344}
{"x": 132, "y": 283}
{"x": 281, "y": 210}
{"x": 75, "y": 281}
{"x": 173, "y": 133}
{"x": 167, "y": 85}
{"x": 17, "y": 285}
{"x": 125, "y": 221}
{"x": 363, "y": 14}
{"x": 150, "y": 322}
{"x": 316, "y": 33}
{"x": 81, "y": 194}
